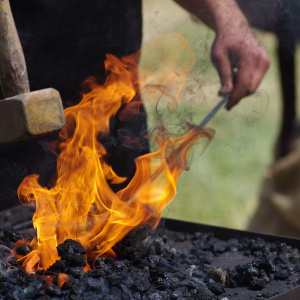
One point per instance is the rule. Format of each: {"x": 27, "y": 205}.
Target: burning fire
{"x": 81, "y": 205}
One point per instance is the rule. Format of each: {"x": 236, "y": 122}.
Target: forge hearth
{"x": 179, "y": 260}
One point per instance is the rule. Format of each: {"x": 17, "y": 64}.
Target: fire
{"x": 81, "y": 205}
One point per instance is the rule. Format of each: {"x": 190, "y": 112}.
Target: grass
{"x": 223, "y": 184}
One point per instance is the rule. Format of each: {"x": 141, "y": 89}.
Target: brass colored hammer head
{"x": 29, "y": 115}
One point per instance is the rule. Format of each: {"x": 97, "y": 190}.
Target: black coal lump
{"x": 257, "y": 284}
{"x": 58, "y": 267}
{"x": 217, "y": 288}
{"x": 72, "y": 253}
{"x": 78, "y": 288}
{"x": 98, "y": 284}
{"x": 10, "y": 236}
{"x": 54, "y": 290}
{"x": 115, "y": 292}
{"x": 141, "y": 283}
{"x": 219, "y": 247}
{"x": 126, "y": 292}
{"x": 77, "y": 273}
{"x": 281, "y": 274}
{"x": 34, "y": 289}
{"x": 23, "y": 249}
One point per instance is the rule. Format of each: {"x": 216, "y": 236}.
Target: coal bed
{"x": 178, "y": 260}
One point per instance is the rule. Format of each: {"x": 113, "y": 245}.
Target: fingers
{"x": 248, "y": 57}
{"x": 224, "y": 68}
{"x": 251, "y": 70}
{"x": 242, "y": 83}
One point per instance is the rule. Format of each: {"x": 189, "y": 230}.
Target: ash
{"x": 159, "y": 264}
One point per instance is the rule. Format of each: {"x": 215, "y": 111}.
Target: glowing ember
{"x": 62, "y": 278}
{"x": 81, "y": 205}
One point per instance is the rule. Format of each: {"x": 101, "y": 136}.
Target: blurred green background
{"x": 223, "y": 184}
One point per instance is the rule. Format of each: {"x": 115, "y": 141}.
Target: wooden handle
{"x": 13, "y": 72}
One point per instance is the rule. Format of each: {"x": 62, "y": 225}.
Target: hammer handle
{"x": 13, "y": 72}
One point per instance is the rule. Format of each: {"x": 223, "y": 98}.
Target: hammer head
{"x": 30, "y": 115}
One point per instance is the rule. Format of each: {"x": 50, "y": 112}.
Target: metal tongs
{"x": 222, "y": 103}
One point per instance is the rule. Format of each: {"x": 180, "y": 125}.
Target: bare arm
{"x": 235, "y": 48}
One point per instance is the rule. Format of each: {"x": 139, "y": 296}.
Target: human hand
{"x": 240, "y": 60}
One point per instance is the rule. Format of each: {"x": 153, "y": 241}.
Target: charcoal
{"x": 54, "y": 290}
{"x": 72, "y": 253}
{"x": 115, "y": 292}
{"x": 67, "y": 285}
{"x": 77, "y": 273}
{"x": 293, "y": 255}
{"x": 78, "y": 288}
{"x": 70, "y": 246}
{"x": 137, "y": 296}
{"x": 158, "y": 265}
{"x": 134, "y": 246}
{"x": 46, "y": 297}
{"x": 126, "y": 292}
{"x": 155, "y": 296}
{"x": 35, "y": 289}
{"x": 13, "y": 261}
{"x": 219, "y": 247}
{"x": 193, "y": 283}
{"x": 218, "y": 275}
{"x": 165, "y": 265}
{"x": 156, "y": 272}
{"x": 263, "y": 274}
{"x": 4, "y": 252}
{"x": 153, "y": 259}
{"x": 257, "y": 284}
{"x": 115, "y": 279}
{"x": 16, "y": 294}
{"x": 101, "y": 265}
{"x": 257, "y": 244}
{"x": 296, "y": 268}
{"x": 18, "y": 276}
{"x": 281, "y": 275}
{"x": 141, "y": 283}
{"x": 248, "y": 274}
{"x": 23, "y": 250}
{"x": 98, "y": 284}
{"x": 10, "y": 236}
{"x": 58, "y": 267}
{"x": 171, "y": 281}
{"x": 217, "y": 288}
{"x": 179, "y": 293}
{"x": 233, "y": 245}
{"x": 263, "y": 263}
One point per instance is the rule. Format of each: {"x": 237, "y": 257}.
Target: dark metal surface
{"x": 293, "y": 294}
{"x": 226, "y": 233}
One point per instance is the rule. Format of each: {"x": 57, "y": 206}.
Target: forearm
{"x": 237, "y": 55}
{"x": 220, "y": 15}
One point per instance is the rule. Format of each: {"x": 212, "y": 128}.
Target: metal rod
{"x": 214, "y": 110}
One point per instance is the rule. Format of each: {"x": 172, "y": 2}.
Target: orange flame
{"x": 62, "y": 278}
{"x": 81, "y": 205}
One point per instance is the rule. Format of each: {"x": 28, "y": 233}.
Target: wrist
{"x": 223, "y": 16}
